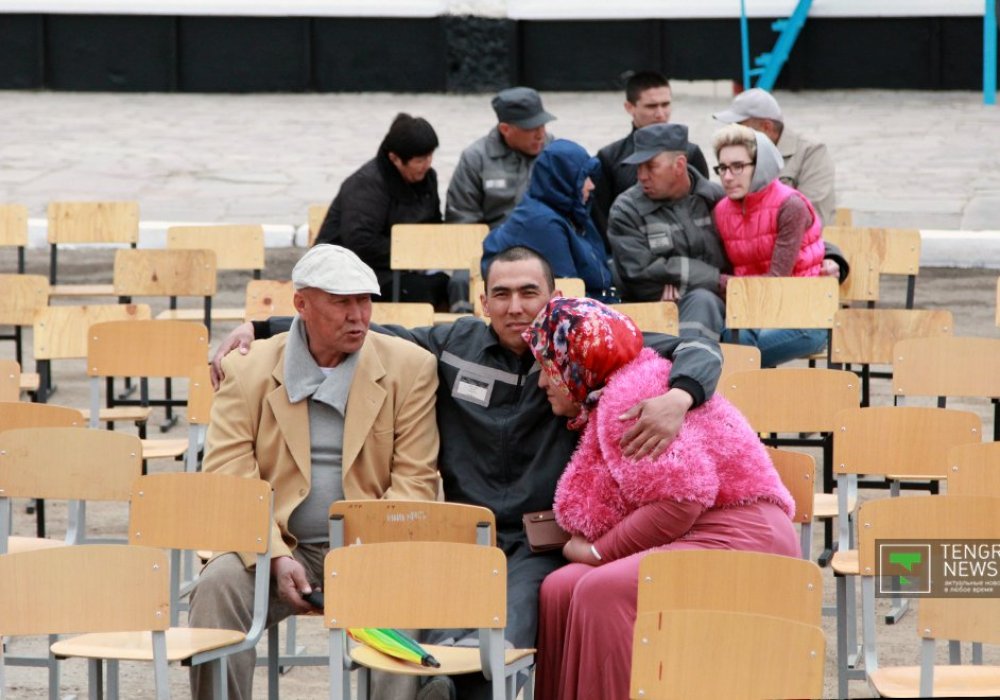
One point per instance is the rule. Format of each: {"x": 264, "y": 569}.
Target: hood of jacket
{"x": 557, "y": 179}
{"x": 769, "y": 163}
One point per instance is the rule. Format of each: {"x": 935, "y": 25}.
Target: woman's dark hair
{"x": 409, "y": 137}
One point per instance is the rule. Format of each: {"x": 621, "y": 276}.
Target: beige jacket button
{"x": 302, "y": 492}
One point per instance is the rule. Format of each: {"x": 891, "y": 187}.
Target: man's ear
{"x": 629, "y": 108}
{"x": 299, "y": 301}
{"x": 482, "y": 301}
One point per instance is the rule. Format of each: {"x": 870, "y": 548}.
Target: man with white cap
{"x": 324, "y": 412}
{"x": 494, "y": 171}
{"x": 808, "y": 165}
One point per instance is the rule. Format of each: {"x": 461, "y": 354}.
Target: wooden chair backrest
{"x": 315, "y": 216}
{"x": 13, "y": 225}
{"x": 145, "y": 348}
{"x": 266, "y": 298}
{"x": 10, "y": 380}
{"x": 217, "y": 512}
{"x": 435, "y": 246}
{"x": 236, "y": 246}
{"x": 93, "y": 222}
{"x": 200, "y": 395}
{"x": 652, "y": 316}
{"x": 85, "y": 588}
{"x": 752, "y": 582}
{"x": 736, "y": 358}
{"x": 69, "y": 463}
{"x": 997, "y": 307}
{"x": 60, "y": 332}
{"x": 447, "y": 585}
{"x": 20, "y": 297}
{"x": 863, "y": 282}
{"x": 798, "y": 473}
{"x": 160, "y": 272}
{"x": 571, "y": 286}
{"x": 901, "y": 440}
{"x": 843, "y": 216}
{"x": 897, "y": 249}
{"x": 408, "y": 315}
{"x": 947, "y": 366}
{"x": 23, "y": 414}
{"x": 867, "y": 336}
{"x": 369, "y": 522}
{"x": 793, "y": 400}
{"x": 687, "y": 654}
{"x": 781, "y": 302}
{"x": 974, "y": 469}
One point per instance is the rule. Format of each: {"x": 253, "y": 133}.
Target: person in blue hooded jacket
{"x": 553, "y": 219}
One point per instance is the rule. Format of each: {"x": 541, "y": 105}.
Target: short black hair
{"x": 640, "y": 81}
{"x": 515, "y": 254}
{"x": 409, "y": 137}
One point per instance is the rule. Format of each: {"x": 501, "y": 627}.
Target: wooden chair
{"x": 997, "y": 307}
{"x": 652, "y": 316}
{"x": 111, "y": 589}
{"x": 894, "y": 442}
{"x": 898, "y": 250}
{"x": 167, "y": 273}
{"x": 862, "y": 285}
{"x": 266, "y": 298}
{"x": 867, "y": 337}
{"x": 14, "y": 230}
{"x": 315, "y": 217}
{"x": 974, "y": 469}
{"x": 798, "y": 473}
{"x": 86, "y": 223}
{"x": 10, "y": 380}
{"x": 236, "y": 247}
{"x": 60, "y": 333}
{"x": 20, "y": 297}
{"x": 949, "y": 366}
{"x": 433, "y": 247}
{"x": 843, "y": 216}
{"x": 373, "y": 521}
{"x": 143, "y": 349}
{"x": 780, "y": 302}
{"x": 448, "y": 585}
{"x": 738, "y": 582}
{"x": 21, "y": 414}
{"x": 408, "y": 315}
{"x": 736, "y": 358}
{"x": 179, "y": 511}
{"x": 947, "y": 517}
{"x": 682, "y": 652}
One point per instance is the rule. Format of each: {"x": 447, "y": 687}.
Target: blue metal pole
{"x": 990, "y": 53}
{"x": 745, "y": 41}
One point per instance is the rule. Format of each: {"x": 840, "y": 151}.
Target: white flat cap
{"x": 335, "y": 270}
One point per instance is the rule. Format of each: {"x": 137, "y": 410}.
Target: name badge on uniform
{"x": 495, "y": 184}
{"x": 476, "y": 390}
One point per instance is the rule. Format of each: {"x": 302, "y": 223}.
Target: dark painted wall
{"x": 466, "y": 54}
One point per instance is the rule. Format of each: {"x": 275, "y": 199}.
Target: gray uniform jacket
{"x": 488, "y": 181}
{"x": 654, "y": 243}
{"x": 809, "y": 169}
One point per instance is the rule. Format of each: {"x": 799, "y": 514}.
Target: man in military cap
{"x": 494, "y": 171}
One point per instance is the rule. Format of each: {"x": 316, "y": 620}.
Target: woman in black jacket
{"x": 397, "y": 186}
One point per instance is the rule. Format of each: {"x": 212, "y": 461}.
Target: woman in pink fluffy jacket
{"x": 714, "y": 488}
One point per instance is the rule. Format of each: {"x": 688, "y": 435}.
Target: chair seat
{"x": 910, "y": 477}
{"x": 82, "y": 290}
{"x": 164, "y": 449}
{"x": 949, "y": 681}
{"x": 137, "y": 414}
{"x": 30, "y": 381}
{"x": 825, "y": 505}
{"x": 30, "y": 544}
{"x": 454, "y": 660}
{"x": 220, "y": 314}
{"x": 182, "y": 643}
{"x": 845, "y": 562}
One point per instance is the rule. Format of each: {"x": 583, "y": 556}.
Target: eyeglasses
{"x": 734, "y": 168}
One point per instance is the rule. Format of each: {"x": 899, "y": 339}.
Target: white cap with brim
{"x": 334, "y": 270}
{"x": 755, "y": 103}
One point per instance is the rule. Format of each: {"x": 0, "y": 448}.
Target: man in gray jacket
{"x": 808, "y": 165}
{"x": 494, "y": 171}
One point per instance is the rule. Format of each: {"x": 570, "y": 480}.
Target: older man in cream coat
{"x": 324, "y": 412}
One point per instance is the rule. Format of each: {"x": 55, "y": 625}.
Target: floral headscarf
{"x": 580, "y": 343}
